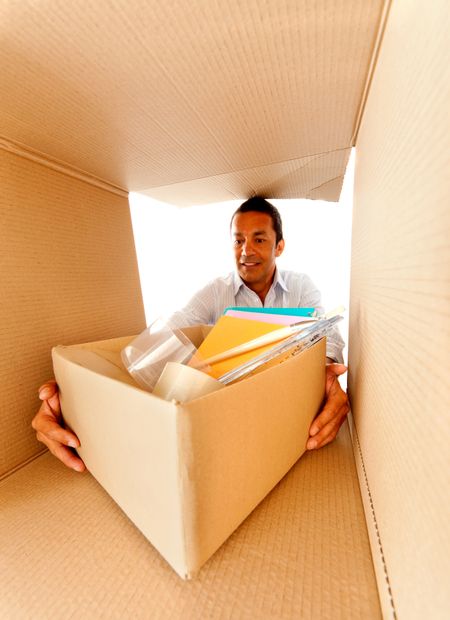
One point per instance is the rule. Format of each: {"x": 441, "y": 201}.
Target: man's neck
{"x": 262, "y": 289}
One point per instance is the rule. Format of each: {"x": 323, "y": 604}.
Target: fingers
{"x": 47, "y": 428}
{"x": 49, "y": 392}
{"x": 62, "y": 453}
{"x": 58, "y": 440}
{"x": 336, "y": 403}
{"x": 328, "y": 432}
{"x": 332, "y": 373}
{"x": 326, "y": 426}
{"x": 48, "y": 389}
{"x": 337, "y": 369}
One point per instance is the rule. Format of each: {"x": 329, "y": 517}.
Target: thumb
{"x": 48, "y": 390}
{"x": 54, "y": 403}
{"x": 337, "y": 369}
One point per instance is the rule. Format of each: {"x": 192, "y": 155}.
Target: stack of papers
{"x": 281, "y": 316}
{"x": 249, "y": 340}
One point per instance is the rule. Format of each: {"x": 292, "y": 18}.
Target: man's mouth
{"x": 249, "y": 263}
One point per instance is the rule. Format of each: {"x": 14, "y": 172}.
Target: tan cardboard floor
{"x": 68, "y": 551}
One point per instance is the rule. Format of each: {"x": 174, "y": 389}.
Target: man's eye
{"x": 237, "y": 241}
{"x": 260, "y": 240}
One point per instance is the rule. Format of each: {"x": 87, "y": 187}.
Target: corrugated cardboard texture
{"x": 68, "y": 274}
{"x": 242, "y": 97}
{"x": 400, "y": 339}
{"x": 307, "y": 177}
{"x": 69, "y": 551}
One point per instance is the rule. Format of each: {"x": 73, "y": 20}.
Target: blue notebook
{"x": 286, "y": 311}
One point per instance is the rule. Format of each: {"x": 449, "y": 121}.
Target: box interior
{"x": 273, "y": 106}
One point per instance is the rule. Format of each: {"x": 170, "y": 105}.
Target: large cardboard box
{"x": 207, "y": 101}
{"x": 187, "y": 474}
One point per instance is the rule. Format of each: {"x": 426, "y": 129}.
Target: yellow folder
{"x": 229, "y": 332}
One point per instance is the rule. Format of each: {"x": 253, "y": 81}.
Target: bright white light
{"x": 181, "y": 249}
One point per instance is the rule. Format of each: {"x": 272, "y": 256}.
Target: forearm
{"x": 335, "y": 346}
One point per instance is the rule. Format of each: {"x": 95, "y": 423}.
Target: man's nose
{"x": 247, "y": 247}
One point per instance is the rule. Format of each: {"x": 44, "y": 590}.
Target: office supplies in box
{"x": 236, "y": 347}
{"x": 187, "y": 474}
{"x": 146, "y": 356}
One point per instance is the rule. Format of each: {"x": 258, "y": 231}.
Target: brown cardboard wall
{"x": 204, "y": 101}
{"x": 399, "y": 322}
{"x": 68, "y": 273}
{"x": 303, "y": 553}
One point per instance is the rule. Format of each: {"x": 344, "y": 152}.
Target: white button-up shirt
{"x": 289, "y": 289}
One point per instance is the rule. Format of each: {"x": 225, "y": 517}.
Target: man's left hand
{"x": 327, "y": 423}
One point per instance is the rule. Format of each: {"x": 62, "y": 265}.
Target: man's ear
{"x": 280, "y": 247}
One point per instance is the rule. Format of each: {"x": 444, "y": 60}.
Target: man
{"x": 257, "y": 237}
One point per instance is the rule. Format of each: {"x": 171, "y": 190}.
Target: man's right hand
{"x": 49, "y": 430}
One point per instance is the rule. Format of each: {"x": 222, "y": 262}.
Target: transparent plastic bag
{"x": 146, "y": 356}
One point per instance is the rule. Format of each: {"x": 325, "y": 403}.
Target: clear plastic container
{"x": 146, "y": 356}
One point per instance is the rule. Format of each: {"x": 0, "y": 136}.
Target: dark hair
{"x": 261, "y": 205}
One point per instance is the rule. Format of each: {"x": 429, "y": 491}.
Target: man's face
{"x": 255, "y": 247}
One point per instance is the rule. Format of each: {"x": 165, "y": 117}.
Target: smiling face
{"x": 255, "y": 249}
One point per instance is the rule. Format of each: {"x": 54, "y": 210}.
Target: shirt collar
{"x": 237, "y": 282}
{"x": 277, "y": 280}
